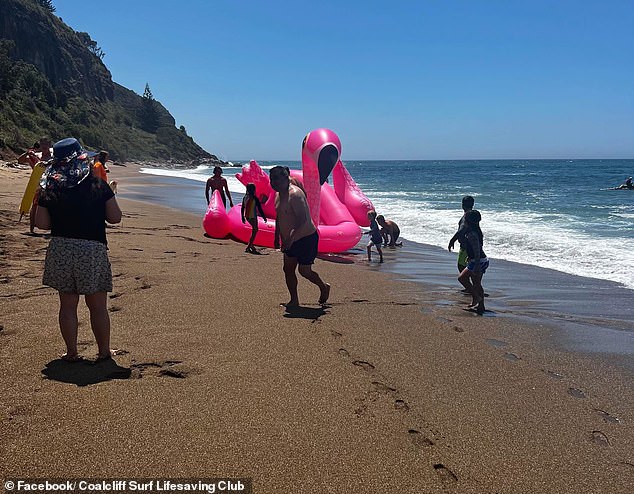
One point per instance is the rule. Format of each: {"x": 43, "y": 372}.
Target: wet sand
{"x": 584, "y": 314}
{"x": 388, "y": 388}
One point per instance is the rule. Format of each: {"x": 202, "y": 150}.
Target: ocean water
{"x": 556, "y": 214}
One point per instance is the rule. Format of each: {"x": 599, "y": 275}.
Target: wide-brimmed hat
{"x": 68, "y": 167}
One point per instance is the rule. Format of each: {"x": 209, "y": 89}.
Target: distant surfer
{"x": 217, "y": 182}
{"x": 627, "y": 185}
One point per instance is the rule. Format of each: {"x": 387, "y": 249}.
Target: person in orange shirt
{"x": 99, "y": 168}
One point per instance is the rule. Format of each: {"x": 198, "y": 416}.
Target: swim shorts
{"x": 462, "y": 259}
{"x": 484, "y": 264}
{"x": 74, "y": 265}
{"x": 304, "y": 249}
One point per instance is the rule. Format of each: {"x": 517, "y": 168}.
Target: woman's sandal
{"x": 71, "y": 358}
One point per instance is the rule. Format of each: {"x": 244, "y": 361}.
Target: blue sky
{"x": 425, "y": 79}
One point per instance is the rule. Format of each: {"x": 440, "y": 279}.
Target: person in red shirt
{"x": 99, "y": 168}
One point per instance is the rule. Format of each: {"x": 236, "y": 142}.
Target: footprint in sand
{"x": 419, "y": 440}
{"x": 553, "y": 374}
{"x": 512, "y": 357}
{"x": 180, "y": 374}
{"x": 446, "y": 475}
{"x": 577, "y": 393}
{"x": 607, "y": 417}
{"x": 600, "y": 438}
{"x": 401, "y": 405}
{"x": 344, "y": 353}
{"x": 496, "y": 343}
{"x": 383, "y": 388}
{"x": 114, "y": 308}
{"x": 164, "y": 368}
{"x": 442, "y": 319}
{"x": 366, "y": 366}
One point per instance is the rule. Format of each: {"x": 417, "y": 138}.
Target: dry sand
{"x": 380, "y": 391}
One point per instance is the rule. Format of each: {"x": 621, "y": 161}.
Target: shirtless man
{"x": 389, "y": 230}
{"x": 298, "y": 235}
{"x": 217, "y": 182}
{"x": 41, "y": 151}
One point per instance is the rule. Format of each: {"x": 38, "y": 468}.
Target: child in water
{"x": 471, "y": 276}
{"x": 249, "y": 211}
{"x": 375, "y": 236}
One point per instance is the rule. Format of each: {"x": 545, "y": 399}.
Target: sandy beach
{"x": 381, "y": 390}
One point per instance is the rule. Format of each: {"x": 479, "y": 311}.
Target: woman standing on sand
{"x": 75, "y": 205}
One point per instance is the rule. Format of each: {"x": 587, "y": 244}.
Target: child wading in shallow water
{"x": 471, "y": 276}
{"x": 375, "y": 236}
{"x": 250, "y": 207}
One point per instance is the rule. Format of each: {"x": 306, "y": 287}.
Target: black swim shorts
{"x": 304, "y": 249}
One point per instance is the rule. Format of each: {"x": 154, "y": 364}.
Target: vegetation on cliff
{"x": 53, "y": 82}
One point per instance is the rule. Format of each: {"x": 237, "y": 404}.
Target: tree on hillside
{"x": 47, "y": 4}
{"x": 6, "y": 64}
{"x": 92, "y": 45}
{"x": 148, "y": 113}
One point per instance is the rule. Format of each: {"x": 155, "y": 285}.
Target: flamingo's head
{"x": 323, "y": 148}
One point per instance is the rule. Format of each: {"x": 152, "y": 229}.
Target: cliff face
{"x": 44, "y": 41}
{"x": 53, "y": 82}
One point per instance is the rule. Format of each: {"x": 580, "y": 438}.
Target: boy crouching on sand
{"x": 375, "y": 236}
{"x": 389, "y": 230}
{"x": 250, "y": 207}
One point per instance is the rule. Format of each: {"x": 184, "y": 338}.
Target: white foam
{"x": 554, "y": 241}
{"x": 199, "y": 174}
{"x": 550, "y": 240}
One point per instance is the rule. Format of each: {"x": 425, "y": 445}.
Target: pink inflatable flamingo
{"x": 337, "y": 212}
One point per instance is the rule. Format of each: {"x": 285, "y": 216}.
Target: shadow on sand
{"x": 84, "y": 372}
{"x": 300, "y": 312}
